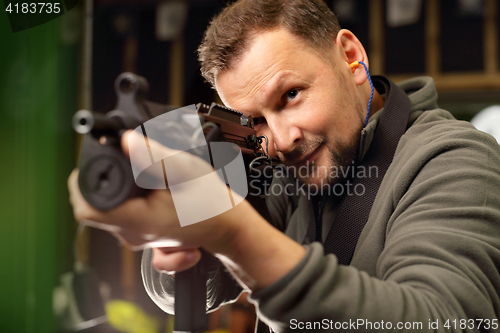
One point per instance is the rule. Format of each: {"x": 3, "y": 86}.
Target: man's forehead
{"x": 269, "y": 60}
{"x": 259, "y": 87}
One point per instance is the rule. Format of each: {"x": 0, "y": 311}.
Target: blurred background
{"x": 56, "y": 277}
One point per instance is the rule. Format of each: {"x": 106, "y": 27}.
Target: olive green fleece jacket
{"x": 429, "y": 252}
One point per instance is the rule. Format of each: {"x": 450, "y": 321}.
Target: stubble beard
{"x": 340, "y": 157}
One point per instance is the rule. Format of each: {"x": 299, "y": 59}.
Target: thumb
{"x": 134, "y": 141}
{"x": 143, "y": 151}
{"x": 124, "y": 142}
{"x": 180, "y": 166}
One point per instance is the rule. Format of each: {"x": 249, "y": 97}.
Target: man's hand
{"x": 256, "y": 253}
{"x": 153, "y": 219}
{"x": 173, "y": 260}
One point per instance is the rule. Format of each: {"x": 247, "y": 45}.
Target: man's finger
{"x": 134, "y": 141}
{"x": 87, "y": 214}
{"x": 176, "y": 261}
{"x": 82, "y": 210}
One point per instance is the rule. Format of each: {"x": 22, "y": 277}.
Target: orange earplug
{"x": 354, "y": 65}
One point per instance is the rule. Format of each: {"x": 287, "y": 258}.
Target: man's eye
{"x": 291, "y": 94}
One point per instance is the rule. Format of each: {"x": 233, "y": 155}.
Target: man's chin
{"x": 318, "y": 181}
{"x": 326, "y": 170}
{"x": 321, "y": 175}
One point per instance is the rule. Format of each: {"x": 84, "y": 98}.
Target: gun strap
{"x": 353, "y": 211}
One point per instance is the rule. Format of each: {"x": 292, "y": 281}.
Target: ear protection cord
{"x": 355, "y": 65}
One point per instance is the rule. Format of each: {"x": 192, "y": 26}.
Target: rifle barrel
{"x": 85, "y": 121}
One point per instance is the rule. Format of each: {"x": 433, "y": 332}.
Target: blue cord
{"x": 371, "y": 96}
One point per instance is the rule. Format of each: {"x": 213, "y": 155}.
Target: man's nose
{"x": 284, "y": 137}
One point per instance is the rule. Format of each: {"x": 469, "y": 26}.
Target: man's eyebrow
{"x": 275, "y": 85}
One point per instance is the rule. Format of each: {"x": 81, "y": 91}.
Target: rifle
{"x": 106, "y": 177}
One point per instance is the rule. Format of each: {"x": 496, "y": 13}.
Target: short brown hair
{"x": 229, "y": 33}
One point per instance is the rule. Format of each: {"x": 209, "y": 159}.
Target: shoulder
{"x": 436, "y": 132}
{"x": 439, "y": 154}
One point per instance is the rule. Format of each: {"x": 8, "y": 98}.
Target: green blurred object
{"x": 38, "y": 73}
{"x": 128, "y": 317}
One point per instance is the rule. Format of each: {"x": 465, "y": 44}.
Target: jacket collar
{"x": 423, "y": 96}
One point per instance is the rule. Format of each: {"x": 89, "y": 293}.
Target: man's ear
{"x": 352, "y": 50}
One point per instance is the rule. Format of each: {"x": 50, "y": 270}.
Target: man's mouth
{"x": 308, "y": 158}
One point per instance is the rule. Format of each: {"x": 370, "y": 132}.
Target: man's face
{"x": 308, "y": 107}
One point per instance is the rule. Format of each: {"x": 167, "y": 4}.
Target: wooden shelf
{"x": 488, "y": 79}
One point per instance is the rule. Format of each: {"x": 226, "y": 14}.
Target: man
{"x": 427, "y": 257}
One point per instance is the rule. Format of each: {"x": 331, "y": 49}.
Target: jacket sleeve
{"x": 437, "y": 254}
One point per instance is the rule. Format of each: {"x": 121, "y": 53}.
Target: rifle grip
{"x": 191, "y": 299}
